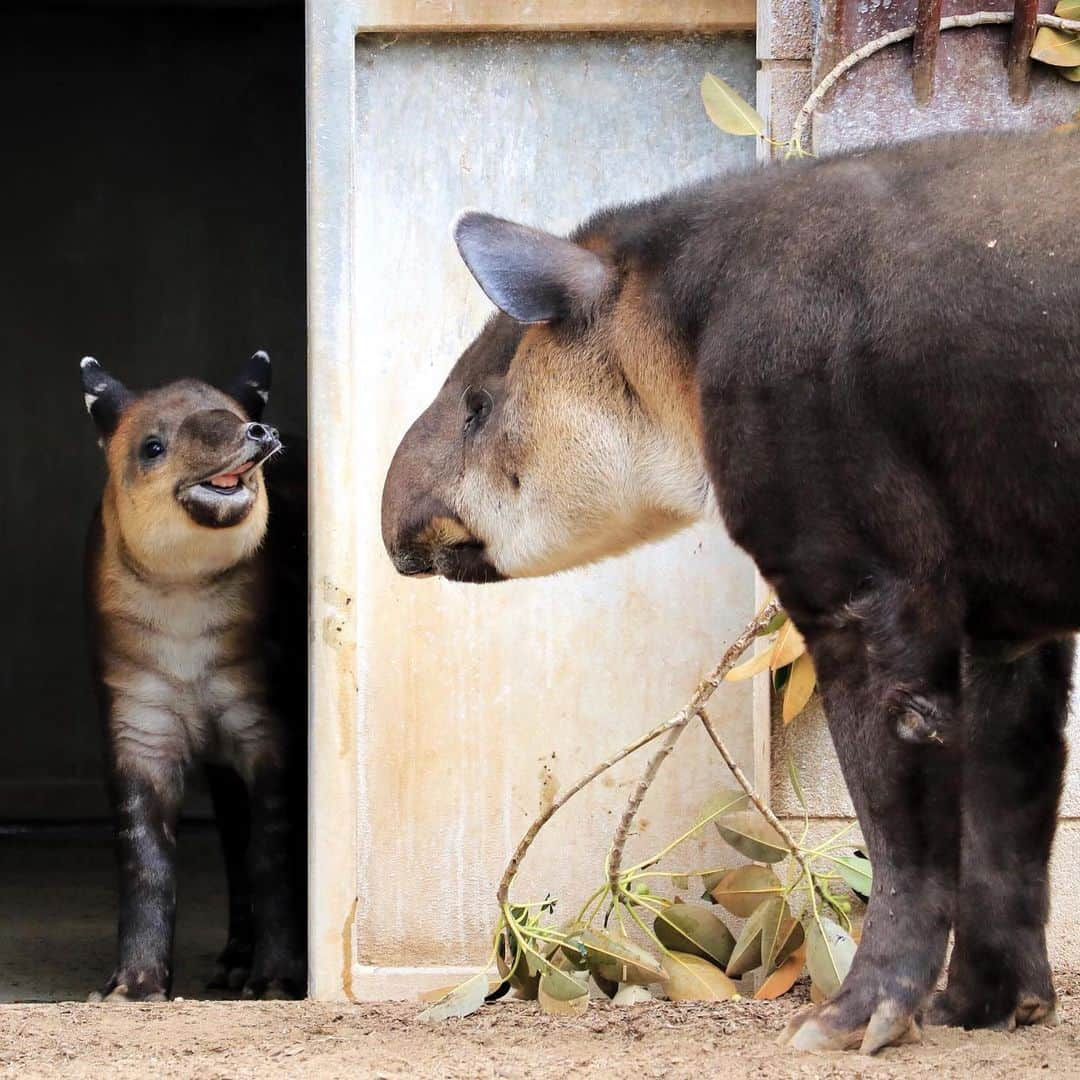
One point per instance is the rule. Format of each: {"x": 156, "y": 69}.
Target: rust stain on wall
{"x": 348, "y": 936}
{"x": 339, "y": 633}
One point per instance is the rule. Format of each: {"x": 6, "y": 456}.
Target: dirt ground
{"x": 209, "y": 1039}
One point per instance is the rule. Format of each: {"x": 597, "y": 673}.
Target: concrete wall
{"x": 153, "y": 186}
{"x": 478, "y": 704}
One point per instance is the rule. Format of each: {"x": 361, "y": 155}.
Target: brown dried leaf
{"x": 784, "y": 977}
{"x": 749, "y": 668}
{"x": 800, "y": 687}
{"x": 789, "y": 646}
{"x": 1056, "y": 47}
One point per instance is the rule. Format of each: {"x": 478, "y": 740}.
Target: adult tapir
{"x": 870, "y": 365}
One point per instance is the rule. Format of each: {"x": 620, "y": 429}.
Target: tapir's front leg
{"x": 906, "y": 798}
{"x": 146, "y": 802}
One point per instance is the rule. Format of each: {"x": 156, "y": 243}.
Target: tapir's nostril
{"x": 261, "y": 432}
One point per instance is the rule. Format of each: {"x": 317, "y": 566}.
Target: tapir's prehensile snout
{"x": 423, "y": 535}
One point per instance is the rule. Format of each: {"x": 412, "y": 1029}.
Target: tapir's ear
{"x": 251, "y": 388}
{"x": 531, "y": 275}
{"x": 106, "y": 398}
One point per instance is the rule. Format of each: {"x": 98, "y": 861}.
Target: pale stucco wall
{"x": 478, "y": 703}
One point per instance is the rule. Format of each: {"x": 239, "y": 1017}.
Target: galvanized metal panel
{"x": 474, "y": 705}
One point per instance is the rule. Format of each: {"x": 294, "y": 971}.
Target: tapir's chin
{"x": 456, "y": 562}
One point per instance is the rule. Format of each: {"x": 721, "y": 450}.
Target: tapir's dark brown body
{"x": 876, "y": 360}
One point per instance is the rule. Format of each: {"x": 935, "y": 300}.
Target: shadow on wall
{"x": 154, "y": 185}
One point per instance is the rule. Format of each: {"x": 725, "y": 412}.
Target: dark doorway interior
{"x": 153, "y": 184}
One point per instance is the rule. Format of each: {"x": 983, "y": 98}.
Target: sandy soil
{"x": 508, "y": 1039}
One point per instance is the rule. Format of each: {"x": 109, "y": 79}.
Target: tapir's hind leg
{"x": 906, "y": 796}
{"x": 232, "y": 814}
{"x": 999, "y": 974}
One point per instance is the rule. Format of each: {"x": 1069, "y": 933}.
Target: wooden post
{"x": 924, "y": 50}
{"x": 1021, "y": 39}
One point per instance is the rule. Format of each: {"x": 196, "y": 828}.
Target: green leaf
{"x": 464, "y": 999}
{"x": 1072, "y": 74}
{"x": 856, "y": 871}
{"x": 773, "y": 624}
{"x": 513, "y": 967}
{"x": 1056, "y": 47}
{"x": 747, "y": 952}
{"x": 562, "y": 994}
{"x": 781, "y": 935}
{"x": 688, "y": 928}
{"x": 618, "y": 960}
{"x": 725, "y": 801}
{"x": 752, "y": 836}
{"x": 743, "y": 889}
{"x": 780, "y": 679}
{"x": 727, "y": 110}
{"x": 689, "y": 978}
{"x": 1068, "y": 9}
{"x": 829, "y": 952}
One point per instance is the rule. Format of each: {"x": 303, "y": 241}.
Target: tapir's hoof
{"x": 950, "y": 1008}
{"x": 228, "y": 978}
{"x": 264, "y": 989}
{"x": 122, "y": 992}
{"x": 820, "y": 1028}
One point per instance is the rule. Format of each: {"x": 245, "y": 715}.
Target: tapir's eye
{"x": 152, "y": 448}
{"x": 477, "y": 409}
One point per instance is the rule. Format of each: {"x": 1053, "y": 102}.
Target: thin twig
{"x": 706, "y": 689}
{"x": 526, "y": 841}
{"x": 953, "y": 22}
{"x": 761, "y": 806}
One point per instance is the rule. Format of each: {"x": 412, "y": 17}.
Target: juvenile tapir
{"x": 870, "y": 365}
{"x": 197, "y": 625}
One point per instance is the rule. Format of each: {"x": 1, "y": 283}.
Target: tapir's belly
{"x": 843, "y": 495}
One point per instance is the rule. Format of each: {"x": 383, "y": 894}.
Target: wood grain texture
{"x": 548, "y": 15}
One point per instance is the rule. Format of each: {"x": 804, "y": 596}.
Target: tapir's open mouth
{"x": 228, "y": 483}
{"x": 464, "y": 562}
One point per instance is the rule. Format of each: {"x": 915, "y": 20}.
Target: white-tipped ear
{"x": 531, "y": 275}
{"x": 105, "y": 397}
{"x": 251, "y": 388}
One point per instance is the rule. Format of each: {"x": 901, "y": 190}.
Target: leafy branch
{"x": 793, "y": 922}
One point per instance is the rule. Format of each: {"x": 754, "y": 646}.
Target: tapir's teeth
{"x": 229, "y": 479}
